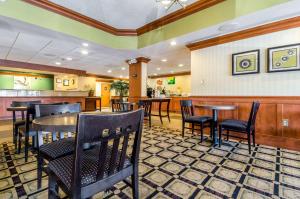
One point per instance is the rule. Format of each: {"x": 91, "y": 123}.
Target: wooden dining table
{"x": 215, "y": 112}
{"x": 160, "y": 101}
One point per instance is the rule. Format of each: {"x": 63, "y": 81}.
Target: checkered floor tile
{"x": 175, "y": 167}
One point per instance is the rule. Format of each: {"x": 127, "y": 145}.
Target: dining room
{"x": 149, "y": 99}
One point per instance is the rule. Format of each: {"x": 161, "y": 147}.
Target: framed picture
{"x": 66, "y": 82}
{"x": 58, "y": 80}
{"x": 245, "y": 62}
{"x": 284, "y": 58}
{"x": 171, "y": 80}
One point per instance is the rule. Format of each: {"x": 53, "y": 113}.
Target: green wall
{"x": 38, "y": 83}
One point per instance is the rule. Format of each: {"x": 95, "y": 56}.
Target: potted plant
{"x": 121, "y": 87}
{"x": 91, "y": 92}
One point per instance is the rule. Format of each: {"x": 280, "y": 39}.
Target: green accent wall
{"x": 6, "y": 82}
{"x": 214, "y": 15}
{"x": 38, "y": 83}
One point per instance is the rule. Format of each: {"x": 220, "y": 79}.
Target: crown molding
{"x": 81, "y": 18}
{"x": 40, "y": 67}
{"x": 179, "y": 14}
{"x": 102, "y": 76}
{"x": 170, "y": 75}
{"x": 248, "y": 33}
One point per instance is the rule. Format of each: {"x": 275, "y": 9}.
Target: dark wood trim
{"x": 170, "y": 75}
{"x": 248, "y": 33}
{"x": 179, "y": 14}
{"x": 17, "y": 73}
{"x": 40, "y": 67}
{"x": 81, "y": 18}
{"x": 107, "y": 78}
{"x": 143, "y": 59}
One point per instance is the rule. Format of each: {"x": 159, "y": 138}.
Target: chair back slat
{"x": 187, "y": 109}
{"x": 252, "y": 117}
{"x": 123, "y": 152}
{"x": 108, "y": 130}
{"x": 102, "y": 159}
{"x": 43, "y": 110}
{"x": 114, "y": 155}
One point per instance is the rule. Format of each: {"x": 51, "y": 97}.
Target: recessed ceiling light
{"x": 157, "y": 68}
{"x": 84, "y": 52}
{"x": 2, "y": 0}
{"x": 85, "y": 44}
{"x": 121, "y": 76}
{"x": 180, "y": 65}
{"x": 69, "y": 58}
{"x": 58, "y": 63}
{"x": 173, "y": 43}
{"x": 123, "y": 68}
{"x": 155, "y": 74}
{"x": 164, "y": 60}
{"x": 109, "y": 71}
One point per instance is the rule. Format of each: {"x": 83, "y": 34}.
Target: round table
{"x": 56, "y": 123}
{"x": 215, "y": 109}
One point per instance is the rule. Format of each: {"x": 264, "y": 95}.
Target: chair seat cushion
{"x": 198, "y": 119}
{"x": 58, "y": 148}
{"x": 237, "y": 125}
{"x": 62, "y": 167}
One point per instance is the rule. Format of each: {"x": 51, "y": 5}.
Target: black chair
{"x": 87, "y": 172}
{"x": 187, "y": 112}
{"x": 55, "y": 149}
{"x": 25, "y": 116}
{"x": 27, "y": 131}
{"x": 20, "y": 122}
{"x": 120, "y": 106}
{"x": 240, "y": 126}
{"x": 147, "y": 106}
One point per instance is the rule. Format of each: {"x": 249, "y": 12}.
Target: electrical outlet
{"x": 285, "y": 122}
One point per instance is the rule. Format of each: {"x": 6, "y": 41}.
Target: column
{"x": 137, "y": 78}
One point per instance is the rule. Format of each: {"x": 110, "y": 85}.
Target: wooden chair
{"x": 57, "y": 148}
{"x": 120, "y": 106}
{"x": 187, "y": 112}
{"x": 87, "y": 172}
{"x": 147, "y": 106}
{"x": 240, "y": 126}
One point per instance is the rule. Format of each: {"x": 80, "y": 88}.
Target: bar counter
{"x": 6, "y": 102}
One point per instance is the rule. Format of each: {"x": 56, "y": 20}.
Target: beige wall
{"x": 182, "y": 84}
{"x": 211, "y": 69}
{"x": 81, "y": 83}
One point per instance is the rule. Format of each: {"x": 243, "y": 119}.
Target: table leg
{"x": 215, "y": 128}
{"x": 14, "y": 130}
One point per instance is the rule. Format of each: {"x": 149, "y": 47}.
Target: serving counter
{"x": 6, "y": 102}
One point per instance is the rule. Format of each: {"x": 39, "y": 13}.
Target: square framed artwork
{"x": 66, "y": 82}
{"x": 58, "y": 80}
{"x": 284, "y": 58}
{"x": 246, "y": 62}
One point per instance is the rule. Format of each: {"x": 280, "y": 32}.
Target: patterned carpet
{"x": 172, "y": 167}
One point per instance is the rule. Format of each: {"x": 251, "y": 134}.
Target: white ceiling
{"x": 124, "y": 14}
{"x": 28, "y": 43}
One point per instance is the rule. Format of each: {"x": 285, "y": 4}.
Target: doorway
{"x": 105, "y": 94}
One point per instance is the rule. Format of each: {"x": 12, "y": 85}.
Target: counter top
{"x": 42, "y": 97}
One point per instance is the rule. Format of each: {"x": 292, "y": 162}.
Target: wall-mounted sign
{"x": 171, "y": 80}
